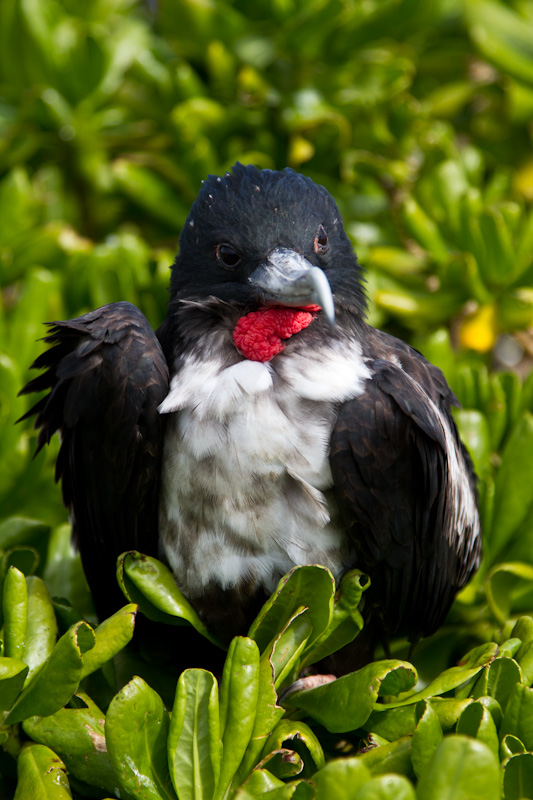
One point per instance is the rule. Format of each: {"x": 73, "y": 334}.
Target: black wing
{"x": 415, "y": 533}
{"x": 107, "y": 375}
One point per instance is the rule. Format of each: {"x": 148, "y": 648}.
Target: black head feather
{"x": 255, "y": 211}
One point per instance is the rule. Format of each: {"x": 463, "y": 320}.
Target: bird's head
{"x": 259, "y": 239}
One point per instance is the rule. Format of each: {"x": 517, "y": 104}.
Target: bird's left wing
{"x": 405, "y": 487}
{"x": 106, "y": 375}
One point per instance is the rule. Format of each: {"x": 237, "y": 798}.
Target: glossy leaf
{"x": 15, "y": 608}
{"x": 476, "y": 721}
{"x": 41, "y": 775}
{"x": 511, "y": 746}
{"x": 346, "y": 704}
{"x": 239, "y": 694}
{"x": 310, "y": 587}
{"x": 268, "y": 715}
{"x": 193, "y": 739}
{"x": 518, "y": 777}
{"x": 77, "y": 735}
{"x": 136, "y": 731}
{"x": 59, "y": 677}
{"x": 462, "y": 769}
{"x": 299, "y": 733}
{"x": 41, "y": 630}
{"x": 341, "y": 778}
{"x": 426, "y": 737}
{"x": 149, "y": 583}
{"x": 518, "y": 717}
{"x": 498, "y": 680}
{"x": 346, "y": 621}
{"x": 110, "y": 637}
{"x": 382, "y": 758}
{"x": 12, "y": 676}
{"x": 452, "y": 677}
{"x": 289, "y": 645}
{"x": 387, "y": 787}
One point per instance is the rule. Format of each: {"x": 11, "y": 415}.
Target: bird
{"x": 265, "y": 425}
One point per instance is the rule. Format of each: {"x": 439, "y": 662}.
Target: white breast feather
{"x": 245, "y": 466}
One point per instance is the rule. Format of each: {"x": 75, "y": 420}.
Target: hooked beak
{"x": 288, "y": 279}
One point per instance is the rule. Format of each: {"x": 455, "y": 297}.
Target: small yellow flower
{"x": 478, "y": 331}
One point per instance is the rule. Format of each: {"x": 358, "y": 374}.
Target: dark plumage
{"x": 340, "y": 450}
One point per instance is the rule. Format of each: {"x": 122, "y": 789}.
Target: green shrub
{"x": 417, "y": 118}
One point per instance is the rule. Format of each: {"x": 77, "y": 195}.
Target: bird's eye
{"x": 321, "y": 240}
{"x": 227, "y": 255}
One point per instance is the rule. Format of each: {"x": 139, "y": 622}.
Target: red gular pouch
{"x": 258, "y": 335}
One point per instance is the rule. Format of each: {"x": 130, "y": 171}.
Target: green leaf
{"x": 518, "y": 777}
{"x": 346, "y": 621}
{"x": 284, "y": 763}
{"x": 150, "y": 192}
{"x": 511, "y": 746}
{"x": 15, "y": 608}
{"x": 289, "y": 731}
{"x": 449, "y": 710}
{"x": 387, "y": 787}
{"x": 346, "y": 704}
{"x": 426, "y": 737}
{"x": 513, "y": 501}
{"x": 340, "y": 779}
{"x": 77, "y": 735}
{"x": 63, "y": 572}
{"x": 259, "y": 783}
{"x": 451, "y": 678}
{"x": 524, "y": 660}
{"x": 136, "y": 732}
{"x": 518, "y": 717}
{"x": 12, "y": 676}
{"x": 424, "y": 229}
{"x": 239, "y": 692}
{"x": 498, "y": 680}
{"x": 523, "y": 630}
{"x": 476, "y": 721}
{"x": 501, "y": 584}
{"x": 267, "y": 717}
{"x": 41, "y": 775}
{"x": 389, "y": 757}
{"x": 392, "y": 723}
{"x": 462, "y": 769}
{"x": 193, "y": 739}
{"x": 41, "y": 630}
{"x": 502, "y": 36}
{"x": 149, "y": 583}
{"x": 22, "y": 531}
{"x": 111, "y": 636}
{"x": 311, "y": 587}
{"x": 59, "y": 677}
{"x": 289, "y": 645}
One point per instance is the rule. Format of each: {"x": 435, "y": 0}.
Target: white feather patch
{"x": 246, "y": 465}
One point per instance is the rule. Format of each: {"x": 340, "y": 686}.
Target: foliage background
{"x": 416, "y": 116}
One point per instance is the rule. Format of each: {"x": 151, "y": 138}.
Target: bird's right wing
{"x": 106, "y": 375}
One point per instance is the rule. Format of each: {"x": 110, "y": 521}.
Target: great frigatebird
{"x": 265, "y": 425}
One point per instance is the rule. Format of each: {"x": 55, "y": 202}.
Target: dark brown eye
{"x": 321, "y": 240}
{"x": 227, "y": 255}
